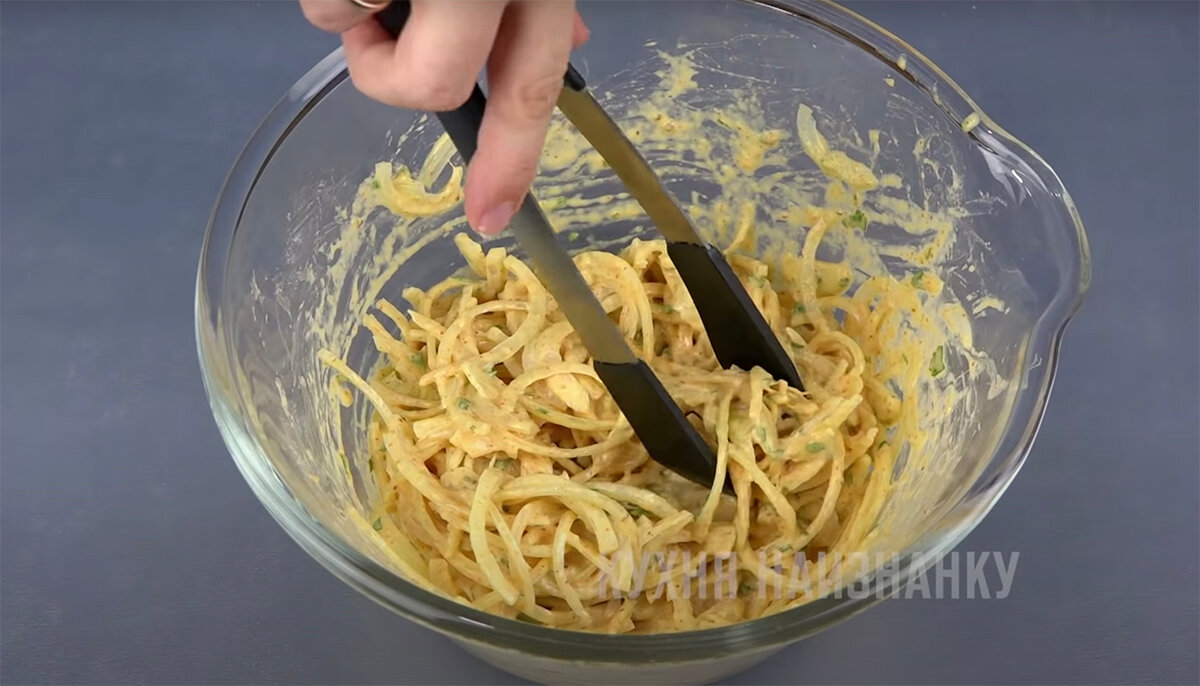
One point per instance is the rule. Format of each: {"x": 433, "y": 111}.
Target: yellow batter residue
{"x": 835, "y": 163}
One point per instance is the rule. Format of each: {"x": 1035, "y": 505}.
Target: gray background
{"x": 133, "y": 551}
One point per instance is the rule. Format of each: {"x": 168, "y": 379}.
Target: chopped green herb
{"x": 377, "y": 524}
{"x": 815, "y": 447}
{"x": 418, "y": 359}
{"x": 668, "y": 308}
{"x": 522, "y": 617}
{"x": 375, "y": 184}
{"x": 937, "y": 363}
{"x": 503, "y": 463}
{"x": 917, "y": 278}
{"x": 492, "y": 371}
{"x": 464, "y": 404}
{"x": 857, "y": 220}
{"x": 635, "y": 511}
{"x": 574, "y": 235}
{"x": 785, "y": 548}
{"x": 542, "y": 410}
{"x": 371, "y": 464}
{"x": 747, "y": 588}
{"x": 798, "y": 308}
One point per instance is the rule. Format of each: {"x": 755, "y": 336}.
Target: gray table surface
{"x": 133, "y": 552}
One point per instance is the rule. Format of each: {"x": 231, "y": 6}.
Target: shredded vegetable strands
{"x": 501, "y": 460}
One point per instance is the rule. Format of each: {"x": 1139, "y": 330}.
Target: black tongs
{"x": 738, "y": 332}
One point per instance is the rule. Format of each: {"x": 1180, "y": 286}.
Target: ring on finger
{"x": 371, "y": 5}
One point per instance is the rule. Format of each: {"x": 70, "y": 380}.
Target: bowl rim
{"x": 448, "y": 616}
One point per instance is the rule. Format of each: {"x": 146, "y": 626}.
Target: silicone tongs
{"x": 738, "y": 332}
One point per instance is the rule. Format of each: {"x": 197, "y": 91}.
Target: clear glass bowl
{"x": 272, "y": 290}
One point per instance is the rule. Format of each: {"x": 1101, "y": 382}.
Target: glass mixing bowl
{"x": 279, "y": 279}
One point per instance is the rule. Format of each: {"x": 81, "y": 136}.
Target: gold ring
{"x": 371, "y": 5}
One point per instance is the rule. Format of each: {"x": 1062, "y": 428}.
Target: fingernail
{"x": 495, "y": 219}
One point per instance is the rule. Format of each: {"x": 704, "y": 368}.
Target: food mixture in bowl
{"x": 506, "y": 477}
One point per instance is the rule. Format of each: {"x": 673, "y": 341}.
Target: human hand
{"x": 435, "y": 63}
